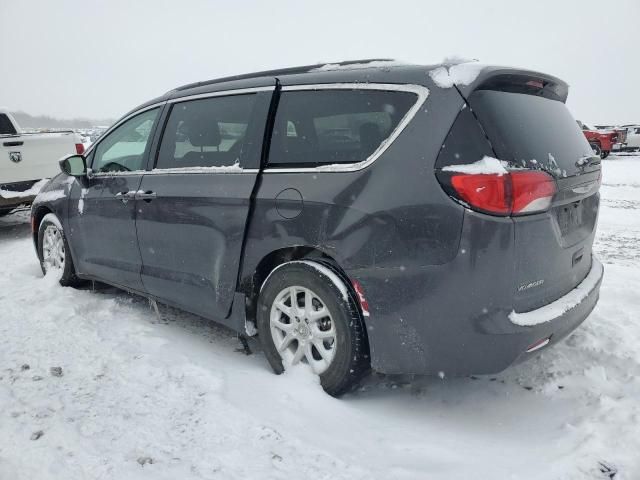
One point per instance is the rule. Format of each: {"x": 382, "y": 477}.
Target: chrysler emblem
{"x": 15, "y": 157}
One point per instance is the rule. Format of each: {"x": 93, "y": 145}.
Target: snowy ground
{"x": 143, "y": 397}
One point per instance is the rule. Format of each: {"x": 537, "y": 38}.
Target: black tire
{"x": 351, "y": 359}
{"x": 604, "y": 154}
{"x": 67, "y": 275}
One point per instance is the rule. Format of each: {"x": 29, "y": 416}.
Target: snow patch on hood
{"x": 487, "y": 166}
{"x": 459, "y": 74}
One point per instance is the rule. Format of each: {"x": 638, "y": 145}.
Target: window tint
{"x": 6, "y": 127}
{"x": 334, "y": 126}
{"x": 206, "y": 133}
{"x": 122, "y": 150}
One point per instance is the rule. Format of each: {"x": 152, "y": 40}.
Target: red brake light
{"x": 79, "y": 148}
{"x": 535, "y": 83}
{"x": 486, "y": 192}
{"x": 531, "y": 191}
{"x": 513, "y": 193}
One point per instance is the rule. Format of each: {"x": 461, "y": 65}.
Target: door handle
{"x": 12, "y": 144}
{"x": 125, "y": 196}
{"x": 146, "y": 196}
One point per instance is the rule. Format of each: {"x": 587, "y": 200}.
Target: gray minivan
{"x": 409, "y": 219}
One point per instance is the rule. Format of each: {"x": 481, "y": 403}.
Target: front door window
{"x": 123, "y": 149}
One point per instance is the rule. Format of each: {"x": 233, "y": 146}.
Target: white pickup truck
{"x": 27, "y": 158}
{"x": 633, "y": 137}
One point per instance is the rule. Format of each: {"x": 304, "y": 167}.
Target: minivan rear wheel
{"x": 306, "y": 315}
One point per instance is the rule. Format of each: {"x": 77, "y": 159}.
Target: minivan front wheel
{"x": 305, "y": 315}
{"x": 53, "y": 251}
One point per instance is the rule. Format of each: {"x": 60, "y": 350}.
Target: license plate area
{"x": 569, "y": 217}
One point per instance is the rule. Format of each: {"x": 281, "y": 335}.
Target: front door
{"x": 102, "y": 209}
{"x": 193, "y": 206}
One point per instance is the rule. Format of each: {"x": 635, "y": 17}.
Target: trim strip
{"x": 199, "y": 171}
{"x": 421, "y": 91}
{"x": 222, "y": 93}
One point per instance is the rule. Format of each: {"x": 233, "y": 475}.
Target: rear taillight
{"x": 79, "y": 148}
{"x": 512, "y": 193}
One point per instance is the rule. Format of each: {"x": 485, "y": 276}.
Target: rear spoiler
{"x": 517, "y": 81}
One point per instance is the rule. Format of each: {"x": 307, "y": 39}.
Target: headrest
{"x": 202, "y": 132}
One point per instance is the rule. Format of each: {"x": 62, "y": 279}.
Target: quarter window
{"x": 123, "y": 149}
{"x": 209, "y": 132}
{"x": 323, "y": 127}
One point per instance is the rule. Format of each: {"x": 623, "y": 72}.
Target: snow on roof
{"x": 328, "y": 67}
{"x": 447, "y": 76}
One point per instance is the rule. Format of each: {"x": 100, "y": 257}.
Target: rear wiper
{"x": 584, "y": 162}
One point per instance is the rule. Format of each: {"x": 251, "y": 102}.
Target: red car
{"x": 604, "y": 141}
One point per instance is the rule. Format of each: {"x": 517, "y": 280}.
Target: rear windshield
{"x": 531, "y": 131}
{"x": 6, "y": 127}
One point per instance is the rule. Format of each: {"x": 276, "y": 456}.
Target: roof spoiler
{"x": 517, "y": 81}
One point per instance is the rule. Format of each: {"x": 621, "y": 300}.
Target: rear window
{"x": 531, "y": 131}
{"x": 6, "y": 127}
{"x": 323, "y": 127}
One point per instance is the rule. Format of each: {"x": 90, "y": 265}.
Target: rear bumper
{"x": 558, "y": 319}
{"x": 562, "y": 306}
{"x": 423, "y": 329}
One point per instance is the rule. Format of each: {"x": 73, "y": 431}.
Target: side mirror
{"x": 74, "y": 165}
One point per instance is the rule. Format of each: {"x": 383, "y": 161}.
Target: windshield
{"x": 532, "y": 132}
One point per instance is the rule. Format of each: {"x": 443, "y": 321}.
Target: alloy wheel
{"x": 53, "y": 252}
{"x": 303, "y": 329}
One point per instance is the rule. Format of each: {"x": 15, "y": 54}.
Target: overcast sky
{"x": 79, "y": 58}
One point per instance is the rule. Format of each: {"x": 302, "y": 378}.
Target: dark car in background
{"x": 353, "y": 217}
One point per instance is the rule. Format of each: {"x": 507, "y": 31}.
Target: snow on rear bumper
{"x": 564, "y": 304}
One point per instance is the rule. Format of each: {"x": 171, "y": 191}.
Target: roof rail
{"x": 277, "y": 72}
